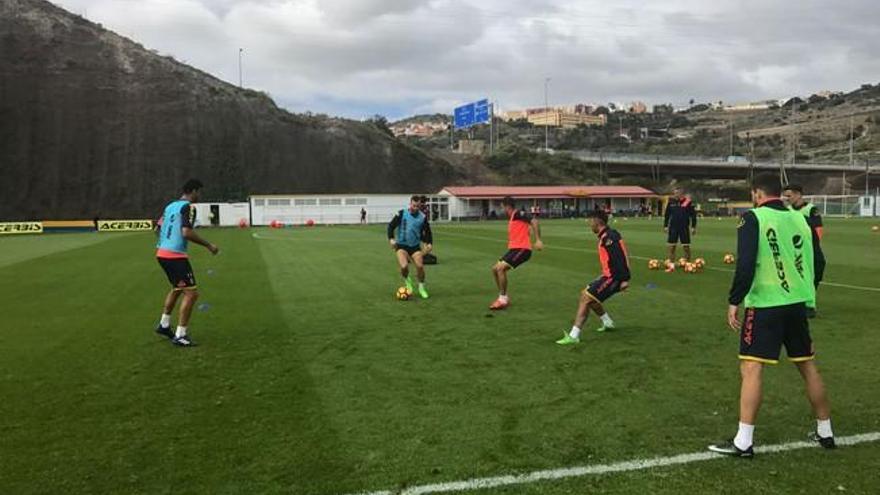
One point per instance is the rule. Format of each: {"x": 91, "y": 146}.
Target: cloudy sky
{"x": 399, "y": 57}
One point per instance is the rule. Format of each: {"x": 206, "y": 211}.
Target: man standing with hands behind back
{"x": 679, "y": 221}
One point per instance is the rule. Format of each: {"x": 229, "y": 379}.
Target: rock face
{"x": 92, "y": 123}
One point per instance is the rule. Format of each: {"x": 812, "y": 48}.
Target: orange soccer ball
{"x": 653, "y": 264}
{"x": 403, "y": 294}
{"x": 670, "y": 266}
{"x": 682, "y": 262}
{"x": 700, "y": 263}
{"x": 729, "y": 259}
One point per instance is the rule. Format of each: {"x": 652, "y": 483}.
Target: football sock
{"x": 421, "y": 285}
{"x": 823, "y": 428}
{"x": 606, "y": 320}
{"x": 165, "y": 321}
{"x": 743, "y": 438}
{"x": 575, "y": 332}
{"x": 502, "y": 297}
{"x": 181, "y": 332}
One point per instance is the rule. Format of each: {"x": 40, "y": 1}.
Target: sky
{"x": 357, "y": 58}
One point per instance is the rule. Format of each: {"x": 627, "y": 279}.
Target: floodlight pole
{"x": 240, "y": 51}
{"x": 546, "y": 114}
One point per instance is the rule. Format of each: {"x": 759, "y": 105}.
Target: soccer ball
{"x": 653, "y": 264}
{"x": 690, "y": 268}
{"x": 682, "y": 262}
{"x": 403, "y": 294}
{"x": 729, "y": 259}
{"x": 875, "y": 229}
{"x": 699, "y": 263}
{"x": 670, "y": 266}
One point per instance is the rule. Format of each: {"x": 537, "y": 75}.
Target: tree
{"x": 380, "y": 123}
{"x": 665, "y": 109}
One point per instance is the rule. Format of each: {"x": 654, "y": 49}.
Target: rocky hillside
{"x": 92, "y": 123}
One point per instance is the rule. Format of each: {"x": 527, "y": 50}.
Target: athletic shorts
{"x": 516, "y": 257}
{"x": 602, "y": 288}
{"x": 179, "y": 272}
{"x": 766, "y": 330}
{"x": 410, "y": 250}
{"x": 677, "y": 236}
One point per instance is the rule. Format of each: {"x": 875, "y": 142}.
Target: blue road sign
{"x": 478, "y": 112}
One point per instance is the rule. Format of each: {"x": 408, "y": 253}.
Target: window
{"x": 304, "y": 202}
{"x": 259, "y": 202}
{"x": 330, "y": 201}
{"x": 356, "y": 201}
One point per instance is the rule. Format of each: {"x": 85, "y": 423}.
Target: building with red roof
{"x": 554, "y": 201}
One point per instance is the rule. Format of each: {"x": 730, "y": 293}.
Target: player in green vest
{"x": 777, "y": 259}
{"x": 794, "y": 196}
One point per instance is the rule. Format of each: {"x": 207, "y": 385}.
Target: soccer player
{"x": 615, "y": 278}
{"x": 680, "y": 221}
{"x": 520, "y": 228}
{"x": 175, "y": 230}
{"x": 776, "y": 260}
{"x": 363, "y": 216}
{"x": 794, "y": 195}
{"x": 412, "y": 228}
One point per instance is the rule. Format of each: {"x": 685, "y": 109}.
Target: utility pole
{"x": 794, "y": 143}
{"x": 546, "y": 114}
{"x": 240, "y": 51}
{"x": 751, "y": 158}
{"x": 731, "y": 137}
{"x": 491, "y": 128}
{"x": 851, "y": 138}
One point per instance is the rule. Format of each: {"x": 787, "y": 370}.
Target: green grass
{"x": 312, "y": 379}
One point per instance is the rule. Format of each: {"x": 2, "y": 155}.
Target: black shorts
{"x": 766, "y": 330}
{"x": 179, "y": 272}
{"x": 676, "y": 236}
{"x": 410, "y": 250}
{"x": 515, "y": 257}
{"x": 602, "y": 288}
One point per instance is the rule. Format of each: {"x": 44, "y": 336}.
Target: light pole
{"x": 546, "y": 115}
{"x": 240, "y": 51}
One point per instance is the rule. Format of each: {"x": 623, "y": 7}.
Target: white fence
{"x": 837, "y": 205}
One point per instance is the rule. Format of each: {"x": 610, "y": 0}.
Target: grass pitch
{"x": 311, "y": 378}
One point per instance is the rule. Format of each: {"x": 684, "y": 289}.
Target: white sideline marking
{"x": 617, "y": 467}
{"x": 726, "y": 270}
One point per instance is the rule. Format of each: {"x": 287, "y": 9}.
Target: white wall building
{"x": 298, "y": 209}
{"x": 221, "y": 214}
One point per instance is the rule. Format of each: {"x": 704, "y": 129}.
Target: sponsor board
{"x": 124, "y": 225}
{"x": 21, "y": 228}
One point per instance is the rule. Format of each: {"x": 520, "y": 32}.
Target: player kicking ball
{"x": 412, "y": 228}
{"x": 615, "y": 278}
{"x": 520, "y": 228}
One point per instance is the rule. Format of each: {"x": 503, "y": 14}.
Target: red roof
{"x": 488, "y": 192}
